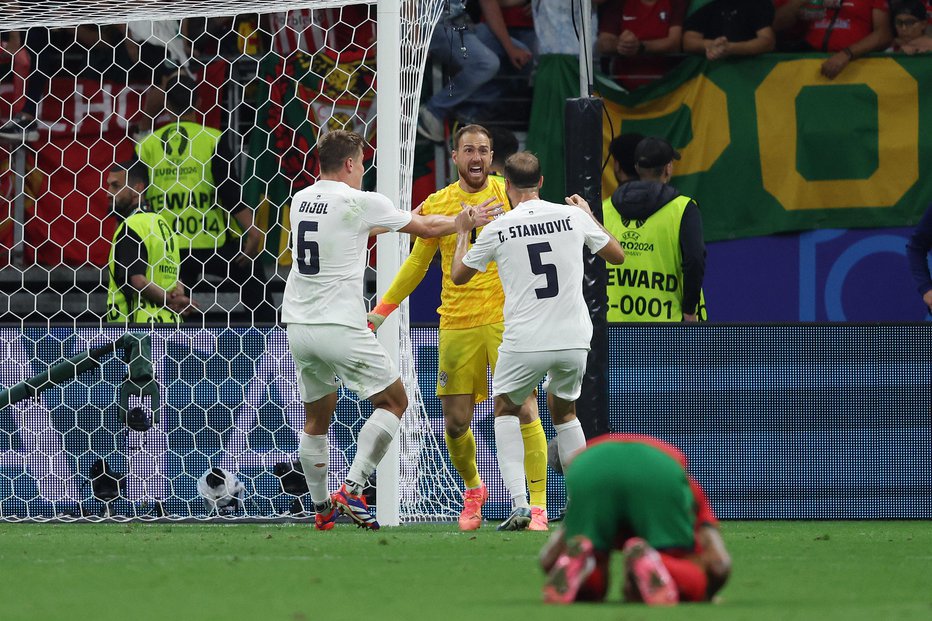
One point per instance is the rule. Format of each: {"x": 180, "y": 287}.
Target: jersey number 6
{"x": 308, "y": 258}
{"x": 549, "y": 270}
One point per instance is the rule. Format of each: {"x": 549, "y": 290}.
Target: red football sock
{"x": 690, "y": 579}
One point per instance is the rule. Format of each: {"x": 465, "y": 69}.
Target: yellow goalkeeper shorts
{"x": 465, "y": 357}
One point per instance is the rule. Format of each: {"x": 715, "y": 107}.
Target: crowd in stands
{"x": 499, "y": 41}
{"x": 488, "y": 49}
{"x": 639, "y": 41}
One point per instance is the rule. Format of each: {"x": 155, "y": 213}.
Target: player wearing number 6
{"x": 538, "y": 249}
{"x": 327, "y": 332}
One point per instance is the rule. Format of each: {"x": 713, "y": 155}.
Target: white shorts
{"x": 325, "y": 355}
{"x": 517, "y": 374}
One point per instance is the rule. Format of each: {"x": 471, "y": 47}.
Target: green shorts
{"x": 629, "y": 487}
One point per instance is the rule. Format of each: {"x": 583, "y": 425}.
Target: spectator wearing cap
{"x": 193, "y": 185}
{"x": 847, "y": 30}
{"x": 661, "y": 233}
{"x": 726, "y": 28}
{"x": 909, "y": 21}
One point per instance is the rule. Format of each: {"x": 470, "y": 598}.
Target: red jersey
{"x": 845, "y": 26}
{"x": 647, "y": 22}
{"x": 347, "y": 33}
{"x": 518, "y": 16}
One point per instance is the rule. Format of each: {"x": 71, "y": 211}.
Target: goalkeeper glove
{"x": 379, "y": 313}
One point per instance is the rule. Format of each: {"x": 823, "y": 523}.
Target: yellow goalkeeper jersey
{"x": 477, "y": 303}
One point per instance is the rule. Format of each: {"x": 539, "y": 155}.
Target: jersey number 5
{"x": 308, "y": 258}
{"x": 549, "y": 270}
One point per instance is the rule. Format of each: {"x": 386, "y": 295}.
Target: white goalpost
{"x": 228, "y": 391}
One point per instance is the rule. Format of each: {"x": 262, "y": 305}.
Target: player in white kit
{"x": 331, "y": 222}
{"x": 538, "y": 248}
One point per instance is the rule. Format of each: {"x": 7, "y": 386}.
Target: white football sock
{"x": 570, "y": 440}
{"x": 374, "y": 438}
{"x": 509, "y": 446}
{"x": 314, "y": 454}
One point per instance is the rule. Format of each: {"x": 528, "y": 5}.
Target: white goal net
{"x": 89, "y": 90}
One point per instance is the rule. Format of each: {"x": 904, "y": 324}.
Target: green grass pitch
{"x": 782, "y": 571}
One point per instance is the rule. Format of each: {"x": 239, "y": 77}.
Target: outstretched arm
{"x": 612, "y": 252}
{"x": 714, "y": 558}
{"x": 460, "y": 273}
{"x": 441, "y": 226}
{"x": 407, "y": 279}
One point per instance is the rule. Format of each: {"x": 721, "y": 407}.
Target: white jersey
{"x": 538, "y": 248}
{"x": 330, "y": 224}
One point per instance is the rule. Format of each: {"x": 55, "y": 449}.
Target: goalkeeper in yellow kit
{"x": 471, "y": 325}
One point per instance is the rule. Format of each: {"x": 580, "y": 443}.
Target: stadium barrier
{"x": 801, "y": 421}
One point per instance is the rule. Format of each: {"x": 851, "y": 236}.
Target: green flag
{"x": 768, "y": 144}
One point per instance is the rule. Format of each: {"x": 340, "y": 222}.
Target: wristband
{"x": 850, "y": 54}
{"x": 642, "y": 49}
{"x": 384, "y": 308}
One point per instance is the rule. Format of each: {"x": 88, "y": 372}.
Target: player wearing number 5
{"x": 538, "y": 249}
{"x": 192, "y": 184}
{"x": 661, "y": 233}
{"x": 470, "y": 332}
{"x": 327, "y": 332}
{"x": 143, "y": 268}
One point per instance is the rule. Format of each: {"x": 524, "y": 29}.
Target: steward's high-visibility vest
{"x": 648, "y": 286}
{"x": 181, "y": 182}
{"x": 164, "y": 260}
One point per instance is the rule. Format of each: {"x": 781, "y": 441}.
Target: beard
{"x": 122, "y": 209}
{"x": 470, "y": 181}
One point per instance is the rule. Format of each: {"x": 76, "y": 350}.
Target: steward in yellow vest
{"x": 661, "y": 233}
{"x": 181, "y": 182}
{"x": 193, "y": 186}
{"x": 144, "y": 259}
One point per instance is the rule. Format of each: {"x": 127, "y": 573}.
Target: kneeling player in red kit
{"x": 632, "y": 492}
